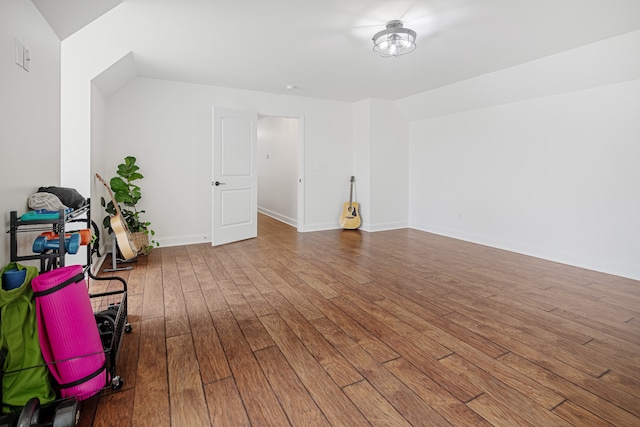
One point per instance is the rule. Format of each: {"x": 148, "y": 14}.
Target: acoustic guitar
{"x": 119, "y": 226}
{"x": 350, "y": 216}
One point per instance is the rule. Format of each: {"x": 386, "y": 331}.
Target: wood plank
{"x": 573, "y": 354}
{"x": 175, "y": 311}
{"x": 596, "y": 395}
{"x": 187, "y": 275}
{"x": 186, "y": 395}
{"x": 151, "y": 403}
{"x": 625, "y": 358}
{"x": 135, "y": 280}
{"x": 255, "y": 333}
{"x": 449, "y": 334}
{"x": 260, "y": 402}
{"x": 622, "y": 330}
{"x": 622, "y": 382}
{"x": 374, "y": 346}
{"x": 216, "y": 268}
{"x": 225, "y": 404}
{"x": 254, "y": 298}
{"x": 250, "y": 264}
{"x": 458, "y": 344}
{"x": 127, "y": 358}
{"x": 512, "y": 400}
{"x": 449, "y": 380}
{"x": 496, "y": 413}
{"x": 115, "y": 410}
{"x": 153, "y": 304}
{"x": 342, "y": 372}
{"x": 447, "y": 405}
{"x": 330, "y": 398}
{"x": 378, "y": 410}
{"x": 425, "y": 343}
{"x": 300, "y": 407}
{"x": 578, "y": 416}
{"x": 634, "y": 321}
{"x": 291, "y": 294}
{"x": 397, "y": 394}
{"x": 209, "y": 351}
{"x": 195, "y": 256}
{"x": 236, "y": 302}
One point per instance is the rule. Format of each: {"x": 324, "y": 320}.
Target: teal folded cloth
{"x": 35, "y": 216}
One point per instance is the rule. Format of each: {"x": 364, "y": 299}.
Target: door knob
{"x": 217, "y": 183}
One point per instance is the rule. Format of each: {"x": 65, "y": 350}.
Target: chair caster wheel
{"x": 117, "y": 383}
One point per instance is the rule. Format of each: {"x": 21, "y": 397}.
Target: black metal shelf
{"x": 53, "y": 258}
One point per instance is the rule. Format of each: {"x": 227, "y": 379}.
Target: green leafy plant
{"x": 127, "y": 193}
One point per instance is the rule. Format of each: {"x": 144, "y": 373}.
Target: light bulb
{"x": 393, "y": 48}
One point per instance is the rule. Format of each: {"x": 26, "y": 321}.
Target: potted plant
{"x": 127, "y": 194}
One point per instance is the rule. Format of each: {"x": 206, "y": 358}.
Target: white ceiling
{"x": 324, "y": 46}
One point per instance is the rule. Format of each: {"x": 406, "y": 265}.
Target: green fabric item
{"x": 25, "y": 374}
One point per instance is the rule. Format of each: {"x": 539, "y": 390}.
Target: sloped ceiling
{"x": 324, "y": 47}
{"x": 116, "y": 76}
{"x": 68, "y": 16}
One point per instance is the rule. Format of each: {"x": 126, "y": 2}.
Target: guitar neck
{"x": 351, "y": 195}
{"x": 353, "y": 178}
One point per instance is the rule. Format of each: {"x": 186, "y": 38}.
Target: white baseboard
{"x": 282, "y": 218}
{"x": 549, "y": 254}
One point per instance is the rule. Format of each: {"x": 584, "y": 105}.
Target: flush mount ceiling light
{"x": 395, "y": 40}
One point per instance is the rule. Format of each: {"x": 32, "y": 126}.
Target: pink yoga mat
{"x": 68, "y": 332}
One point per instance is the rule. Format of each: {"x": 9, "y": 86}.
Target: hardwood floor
{"x": 394, "y": 328}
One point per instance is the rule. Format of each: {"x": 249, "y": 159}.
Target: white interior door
{"x": 235, "y": 181}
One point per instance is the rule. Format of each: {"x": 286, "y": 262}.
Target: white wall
{"x": 554, "y": 176}
{"x": 278, "y": 142}
{"x": 362, "y": 129}
{"x": 30, "y": 106}
{"x": 167, "y": 126}
{"x": 89, "y": 185}
{"x": 98, "y": 148}
{"x": 81, "y": 63}
{"x": 389, "y": 171}
{"x": 381, "y": 153}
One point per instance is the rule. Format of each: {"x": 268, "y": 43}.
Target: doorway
{"x": 235, "y": 172}
{"x": 280, "y": 169}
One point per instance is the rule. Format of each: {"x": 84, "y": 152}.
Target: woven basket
{"x": 140, "y": 240}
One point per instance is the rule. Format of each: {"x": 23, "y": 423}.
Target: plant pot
{"x": 141, "y": 241}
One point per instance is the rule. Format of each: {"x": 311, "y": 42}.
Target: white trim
{"x": 282, "y": 218}
{"x": 549, "y": 254}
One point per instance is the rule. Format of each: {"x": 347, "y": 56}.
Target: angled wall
{"x": 539, "y": 159}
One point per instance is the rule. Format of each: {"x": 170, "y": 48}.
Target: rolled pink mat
{"x": 69, "y": 337}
